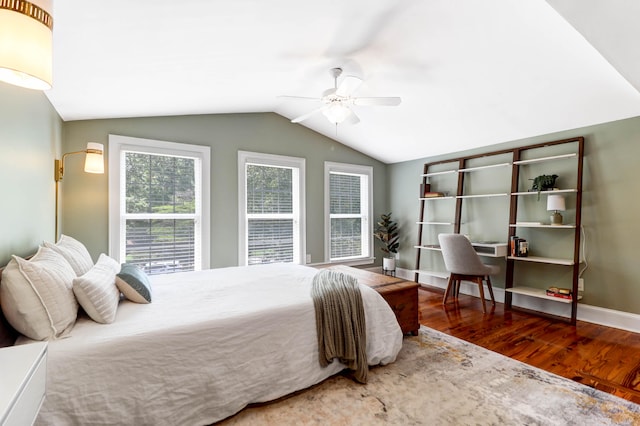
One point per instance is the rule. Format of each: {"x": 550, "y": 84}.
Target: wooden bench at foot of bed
{"x": 401, "y": 295}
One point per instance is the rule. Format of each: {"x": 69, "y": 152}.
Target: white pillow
{"x": 37, "y": 297}
{"x": 96, "y": 290}
{"x": 75, "y": 252}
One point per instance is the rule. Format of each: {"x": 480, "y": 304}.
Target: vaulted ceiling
{"x": 470, "y": 73}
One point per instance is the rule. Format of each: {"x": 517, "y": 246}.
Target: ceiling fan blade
{"x": 309, "y": 114}
{"x": 382, "y": 101}
{"x": 348, "y": 86}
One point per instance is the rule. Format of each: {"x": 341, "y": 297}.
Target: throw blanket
{"x": 340, "y": 321}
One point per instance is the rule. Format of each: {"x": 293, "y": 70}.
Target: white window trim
{"x": 355, "y": 169}
{"x": 118, "y": 144}
{"x": 246, "y": 157}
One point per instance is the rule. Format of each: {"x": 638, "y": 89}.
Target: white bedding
{"x": 210, "y": 343}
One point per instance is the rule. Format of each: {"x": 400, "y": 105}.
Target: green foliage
{"x": 543, "y": 183}
{"x": 159, "y": 184}
{"x": 387, "y": 233}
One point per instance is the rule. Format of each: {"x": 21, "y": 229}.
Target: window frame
{"x": 350, "y": 169}
{"x": 299, "y": 219}
{"x": 118, "y": 145}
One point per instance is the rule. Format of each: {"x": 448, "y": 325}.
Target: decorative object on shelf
{"x": 433, "y": 194}
{"x": 543, "y": 183}
{"x": 387, "y": 232}
{"x": 556, "y": 204}
{"x": 26, "y": 48}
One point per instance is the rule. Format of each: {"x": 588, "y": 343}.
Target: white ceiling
{"x": 470, "y": 73}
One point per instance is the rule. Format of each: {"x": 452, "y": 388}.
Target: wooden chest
{"x": 401, "y": 295}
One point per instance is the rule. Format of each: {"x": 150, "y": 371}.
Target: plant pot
{"x": 388, "y": 263}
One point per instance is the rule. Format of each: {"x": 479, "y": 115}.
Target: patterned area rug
{"x": 441, "y": 380}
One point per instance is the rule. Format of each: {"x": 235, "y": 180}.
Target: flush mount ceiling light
{"x": 26, "y": 43}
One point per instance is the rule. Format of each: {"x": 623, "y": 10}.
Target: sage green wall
{"x": 85, "y": 201}
{"x": 30, "y": 133}
{"x": 610, "y": 215}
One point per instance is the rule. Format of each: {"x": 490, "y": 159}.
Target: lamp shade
{"x": 26, "y": 43}
{"x": 337, "y": 113}
{"x": 555, "y": 203}
{"x": 94, "y": 161}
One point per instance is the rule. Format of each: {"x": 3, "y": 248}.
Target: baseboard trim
{"x": 593, "y": 314}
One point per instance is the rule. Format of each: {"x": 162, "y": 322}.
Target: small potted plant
{"x": 387, "y": 232}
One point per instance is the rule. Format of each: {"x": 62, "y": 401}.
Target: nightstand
{"x": 23, "y": 369}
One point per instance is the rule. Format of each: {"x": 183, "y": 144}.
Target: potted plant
{"x": 387, "y": 232}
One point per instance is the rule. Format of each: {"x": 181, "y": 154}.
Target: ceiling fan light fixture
{"x": 337, "y": 113}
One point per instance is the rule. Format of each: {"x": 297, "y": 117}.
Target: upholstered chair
{"x": 463, "y": 263}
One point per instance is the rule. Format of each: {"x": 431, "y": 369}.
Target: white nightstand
{"x": 23, "y": 369}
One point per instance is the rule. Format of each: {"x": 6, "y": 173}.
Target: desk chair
{"x": 463, "y": 263}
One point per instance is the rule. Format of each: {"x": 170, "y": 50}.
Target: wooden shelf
{"x": 541, "y": 225}
{"x": 538, "y": 259}
{"x": 542, "y": 159}
{"x": 490, "y": 166}
{"x": 555, "y": 191}
{"x": 446, "y": 172}
{"x": 435, "y": 223}
{"x": 429, "y": 247}
{"x": 503, "y": 194}
{"x": 446, "y": 197}
{"x": 536, "y": 292}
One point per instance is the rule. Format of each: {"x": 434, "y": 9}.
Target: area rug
{"x": 441, "y": 380}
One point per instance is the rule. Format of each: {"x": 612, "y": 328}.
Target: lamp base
{"x": 556, "y": 219}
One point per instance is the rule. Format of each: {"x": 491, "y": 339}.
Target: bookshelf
{"x": 555, "y": 246}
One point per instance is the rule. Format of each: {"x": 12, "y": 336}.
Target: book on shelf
{"x": 562, "y": 293}
{"x": 518, "y": 247}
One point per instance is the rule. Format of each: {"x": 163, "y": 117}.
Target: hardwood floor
{"x": 601, "y": 357}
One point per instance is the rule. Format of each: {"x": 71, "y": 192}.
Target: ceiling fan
{"x": 338, "y": 100}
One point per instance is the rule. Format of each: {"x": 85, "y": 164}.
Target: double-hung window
{"x": 271, "y": 207}
{"x": 348, "y": 209}
{"x": 159, "y": 204}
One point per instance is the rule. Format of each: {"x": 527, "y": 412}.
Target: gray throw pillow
{"x": 134, "y": 283}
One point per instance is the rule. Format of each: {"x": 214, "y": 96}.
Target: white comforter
{"x": 210, "y": 343}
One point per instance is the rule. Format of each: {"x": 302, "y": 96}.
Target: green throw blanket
{"x": 340, "y": 321}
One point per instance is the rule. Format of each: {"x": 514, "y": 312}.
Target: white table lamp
{"x": 556, "y": 204}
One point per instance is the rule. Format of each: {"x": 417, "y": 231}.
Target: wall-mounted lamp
{"x": 26, "y": 43}
{"x": 556, "y": 204}
{"x": 93, "y": 163}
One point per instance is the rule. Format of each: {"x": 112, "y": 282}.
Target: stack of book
{"x": 562, "y": 293}
{"x": 518, "y": 247}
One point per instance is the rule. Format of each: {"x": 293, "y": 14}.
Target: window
{"x": 159, "y": 204}
{"x": 271, "y": 206}
{"x": 348, "y": 195}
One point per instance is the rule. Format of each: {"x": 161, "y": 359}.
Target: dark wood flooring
{"x": 601, "y": 357}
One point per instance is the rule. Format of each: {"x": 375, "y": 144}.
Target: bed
{"x": 210, "y": 343}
